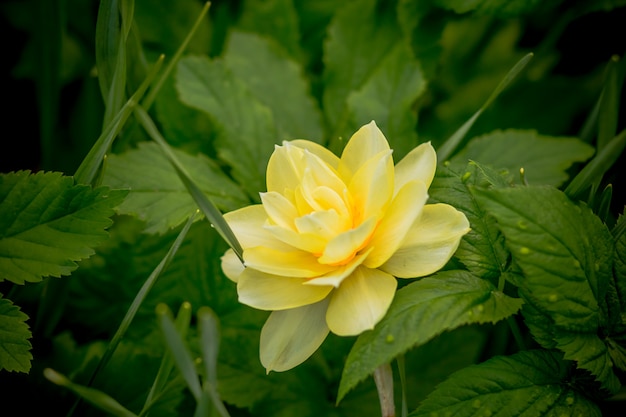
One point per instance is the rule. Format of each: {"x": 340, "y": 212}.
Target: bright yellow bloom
{"x": 323, "y": 249}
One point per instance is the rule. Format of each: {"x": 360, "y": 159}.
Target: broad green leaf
{"x": 277, "y": 19}
{"x": 565, "y": 253}
{"x": 15, "y": 355}
{"x": 421, "y": 311}
{"x": 266, "y": 71}
{"x": 388, "y": 97}
{"x": 530, "y": 383}
{"x": 246, "y": 129}
{"x": 620, "y": 259}
{"x": 157, "y": 195}
{"x": 545, "y": 159}
{"x": 360, "y": 37}
{"x": 482, "y": 250}
{"x": 504, "y": 8}
{"x": 47, "y": 223}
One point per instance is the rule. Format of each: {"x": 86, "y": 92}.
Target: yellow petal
{"x": 320, "y": 173}
{"x": 371, "y": 187}
{"x": 360, "y": 302}
{"x": 362, "y": 146}
{"x": 272, "y": 292}
{"x": 231, "y": 265}
{"x": 404, "y": 210}
{"x": 342, "y": 248}
{"x": 289, "y": 337}
{"x": 280, "y": 210}
{"x": 336, "y": 277}
{"x": 323, "y": 153}
{"x": 325, "y": 224}
{"x": 293, "y": 263}
{"x": 285, "y": 168}
{"x": 430, "y": 243}
{"x": 247, "y": 224}
{"x": 419, "y": 164}
{"x": 308, "y": 242}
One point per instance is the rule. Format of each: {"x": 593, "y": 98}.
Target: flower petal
{"x": 304, "y": 241}
{"x": 289, "y": 337}
{"x": 342, "y": 248}
{"x": 419, "y": 164}
{"x": 273, "y": 292}
{"x": 285, "y": 168}
{"x": 323, "y": 153}
{"x": 280, "y": 210}
{"x": 231, "y": 265}
{"x": 362, "y": 146}
{"x": 404, "y": 210}
{"x": 292, "y": 263}
{"x": 360, "y": 302}
{"x": 430, "y": 243}
{"x": 247, "y": 224}
{"x": 336, "y": 277}
{"x": 371, "y": 187}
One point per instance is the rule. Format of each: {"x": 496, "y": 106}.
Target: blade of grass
{"x": 453, "y": 141}
{"x": 147, "y": 102}
{"x": 211, "y": 212}
{"x": 597, "y": 167}
{"x": 609, "y": 103}
{"x": 209, "y": 345}
{"x": 94, "y": 396}
{"x": 139, "y": 298}
{"x": 88, "y": 168}
{"x": 183, "y": 319}
{"x": 180, "y": 353}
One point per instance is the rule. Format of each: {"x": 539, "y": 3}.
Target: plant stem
{"x": 383, "y": 377}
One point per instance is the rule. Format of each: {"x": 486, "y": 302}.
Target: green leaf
{"x": 388, "y": 97}
{"x": 565, "y": 254}
{"x": 545, "y": 159}
{"x": 421, "y": 311}
{"x": 360, "y": 37}
{"x": 47, "y": 224}
{"x": 14, "y": 334}
{"x": 157, "y": 194}
{"x": 531, "y": 383}
{"x": 277, "y": 19}
{"x": 504, "y": 8}
{"x": 246, "y": 130}
{"x": 482, "y": 250}
{"x": 295, "y": 112}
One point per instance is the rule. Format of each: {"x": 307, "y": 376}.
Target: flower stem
{"x": 383, "y": 378}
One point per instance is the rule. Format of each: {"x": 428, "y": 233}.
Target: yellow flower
{"x": 323, "y": 249}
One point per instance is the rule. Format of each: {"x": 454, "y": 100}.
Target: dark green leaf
{"x": 157, "y": 194}
{"x": 421, "y": 311}
{"x": 565, "y": 254}
{"x": 246, "y": 130}
{"x": 545, "y": 159}
{"x": 47, "y": 224}
{"x": 277, "y": 82}
{"x": 531, "y": 383}
{"x": 482, "y": 250}
{"x": 14, "y": 334}
{"x": 505, "y": 8}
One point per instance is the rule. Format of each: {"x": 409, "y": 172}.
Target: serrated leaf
{"x": 545, "y": 159}
{"x": 47, "y": 224}
{"x": 157, "y": 195}
{"x": 530, "y": 383}
{"x": 388, "y": 96}
{"x": 15, "y": 347}
{"x": 482, "y": 250}
{"x": 565, "y": 253}
{"x": 360, "y": 36}
{"x": 266, "y": 70}
{"x": 421, "y": 311}
{"x": 246, "y": 129}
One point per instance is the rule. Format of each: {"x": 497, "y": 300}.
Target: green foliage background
{"x": 537, "y": 289}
